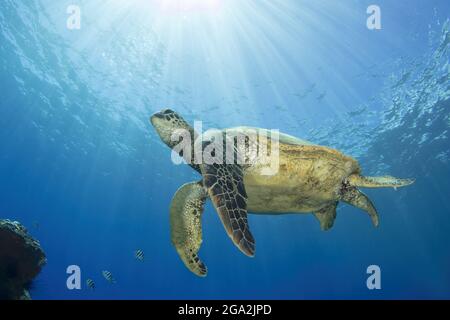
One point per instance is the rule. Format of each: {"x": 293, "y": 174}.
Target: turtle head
{"x": 167, "y": 122}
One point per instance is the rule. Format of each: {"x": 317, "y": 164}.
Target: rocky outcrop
{"x": 21, "y": 260}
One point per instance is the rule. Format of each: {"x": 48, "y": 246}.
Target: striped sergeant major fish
{"x": 139, "y": 255}
{"x": 108, "y": 276}
{"x": 90, "y": 284}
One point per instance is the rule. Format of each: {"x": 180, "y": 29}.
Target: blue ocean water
{"x": 84, "y": 171}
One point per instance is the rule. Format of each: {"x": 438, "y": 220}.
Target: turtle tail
{"x": 378, "y": 182}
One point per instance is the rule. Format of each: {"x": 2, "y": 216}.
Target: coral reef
{"x": 21, "y": 260}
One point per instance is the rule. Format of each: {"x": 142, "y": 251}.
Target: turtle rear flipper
{"x": 358, "y": 199}
{"x": 225, "y": 184}
{"x": 326, "y": 216}
{"x": 186, "y": 227}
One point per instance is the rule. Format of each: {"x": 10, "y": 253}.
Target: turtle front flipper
{"x": 186, "y": 227}
{"x": 356, "y": 198}
{"x": 225, "y": 185}
{"x": 326, "y": 216}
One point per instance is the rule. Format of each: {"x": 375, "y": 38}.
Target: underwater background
{"x": 82, "y": 168}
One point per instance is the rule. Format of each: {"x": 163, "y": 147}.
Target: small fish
{"x": 90, "y": 284}
{"x": 357, "y": 112}
{"x": 108, "y": 276}
{"x": 321, "y": 96}
{"x": 139, "y": 255}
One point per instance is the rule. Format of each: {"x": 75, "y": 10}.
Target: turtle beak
{"x": 155, "y": 117}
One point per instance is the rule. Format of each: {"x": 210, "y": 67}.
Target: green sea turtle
{"x": 308, "y": 179}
